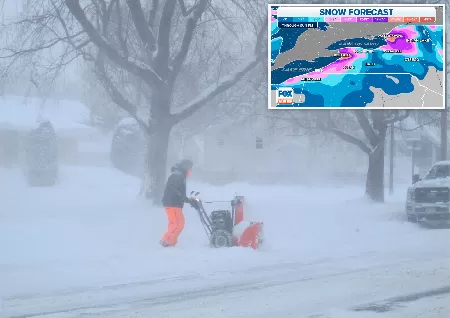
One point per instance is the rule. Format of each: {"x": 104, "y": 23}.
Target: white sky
{"x": 10, "y": 11}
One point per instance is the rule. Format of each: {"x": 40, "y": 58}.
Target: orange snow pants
{"x": 176, "y": 225}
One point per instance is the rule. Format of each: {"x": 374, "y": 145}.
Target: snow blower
{"x": 226, "y": 228}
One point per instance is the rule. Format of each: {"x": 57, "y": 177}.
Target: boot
{"x": 164, "y": 244}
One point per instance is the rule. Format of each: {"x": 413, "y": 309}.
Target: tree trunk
{"x": 156, "y": 165}
{"x": 444, "y": 136}
{"x": 158, "y": 143}
{"x": 375, "y": 174}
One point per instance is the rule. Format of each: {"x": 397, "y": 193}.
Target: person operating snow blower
{"x": 173, "y": 201}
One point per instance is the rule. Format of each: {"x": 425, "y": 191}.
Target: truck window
{"x": 438, "y": 172}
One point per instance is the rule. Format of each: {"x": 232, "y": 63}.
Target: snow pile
{"x": 128, "y": 121}
{"x": 91, "y": 230}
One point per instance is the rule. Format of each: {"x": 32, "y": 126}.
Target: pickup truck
{"x": 428, "y": 199}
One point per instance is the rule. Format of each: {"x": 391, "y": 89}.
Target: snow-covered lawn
{"x": 91, "y": 231}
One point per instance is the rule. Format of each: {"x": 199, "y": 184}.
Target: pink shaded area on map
{"x": 408, "y": 48}
{"x": 440, "y": 52}
{"x": 274, "y": 12}
{"x": 336, "y": 67}
{"x": 432, "y": 27}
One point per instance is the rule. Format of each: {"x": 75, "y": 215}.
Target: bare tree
{"x": 364, "y": 129}
{"x": 151, "y": 41}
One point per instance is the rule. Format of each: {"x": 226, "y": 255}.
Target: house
{"x": 420, "y": 142}
{"x": 70, "y": 119}
{"x": 254, "y": 150}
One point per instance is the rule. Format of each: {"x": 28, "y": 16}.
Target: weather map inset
{"x": 357, "y": 56}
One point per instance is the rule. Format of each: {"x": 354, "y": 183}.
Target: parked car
{"x": 428, "y": 199}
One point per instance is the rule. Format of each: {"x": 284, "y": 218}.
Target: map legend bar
{"x": 395, "y": 19}
{"x": 316, "y": 19}
{"x": 411, "y": 19}
{"x": 365, "y": 19}
{"x": 380, "y": 19}
{"x": 358, "y": 19}
{"x": 332, "y": 19}
{"x": 348, "y": 19}
{"x": 301, "y": 19}
{"x": 427, "y": 19}
{"x": 293, "y": 19}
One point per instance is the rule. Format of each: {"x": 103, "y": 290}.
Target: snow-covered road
{"x": 88, "y": 248}
{"x": 316, "y": 289}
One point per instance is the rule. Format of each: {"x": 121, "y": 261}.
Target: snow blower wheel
{"x": 221, "y": 238}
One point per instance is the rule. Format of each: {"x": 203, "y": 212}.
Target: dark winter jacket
{"x": 175, "y": 191}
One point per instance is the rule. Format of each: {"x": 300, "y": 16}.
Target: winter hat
{"x": 186, "y": 164}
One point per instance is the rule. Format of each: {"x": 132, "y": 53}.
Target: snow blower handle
{"x": 193, "y": 200}
{"x": 236, "y": 201}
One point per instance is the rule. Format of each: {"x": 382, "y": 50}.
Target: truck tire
{"x": 411, "y": 219}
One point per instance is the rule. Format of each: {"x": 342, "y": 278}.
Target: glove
{"x": 189, "y": 200}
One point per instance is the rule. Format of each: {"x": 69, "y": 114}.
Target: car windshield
{"x": 438, "y": 172}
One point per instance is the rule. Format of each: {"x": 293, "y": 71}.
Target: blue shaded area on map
{"x": 289, "y": 37}
{"x": 282, "y": 74}
{"x": 276, "y": 45}
{"x": 284, "y": 39}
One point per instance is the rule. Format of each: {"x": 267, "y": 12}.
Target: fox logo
{"x": 285, "y": 96}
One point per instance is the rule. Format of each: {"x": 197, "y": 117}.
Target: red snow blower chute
{"x": 226, "y": 228}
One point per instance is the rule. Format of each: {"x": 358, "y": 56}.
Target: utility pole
{"x": 444, "y": 136}
{"x": 391, "y": 161}
{"x": 413, "y": 158}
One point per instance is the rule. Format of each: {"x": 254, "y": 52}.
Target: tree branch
{"x": 43, "y": 46}
{"x": 224, "y": 83}
{"x": 152, "y": 14}
{"x": 106, "y": 15}
{"x": 184, "y": 11}
{"x": 187, "y": 38}
{"x": 161, "y": 61}
{"x": 328, "y": 126}
{"x": 146, "y": 73}
{"x": 221, "y": 86}
{"x": 364, "y": 123}
{"x": 434, "y": 121}
{"x": 117, "y": 96}
{"x": 122, "y": 39}
{"x": 348, "y": 138}
{"x": 260, "y": 39}
{"x": 145, "y": 33}
{"x": 397, "y": 117}
{"x": 246, "y": 12}
{"x": 70, "y": 40}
